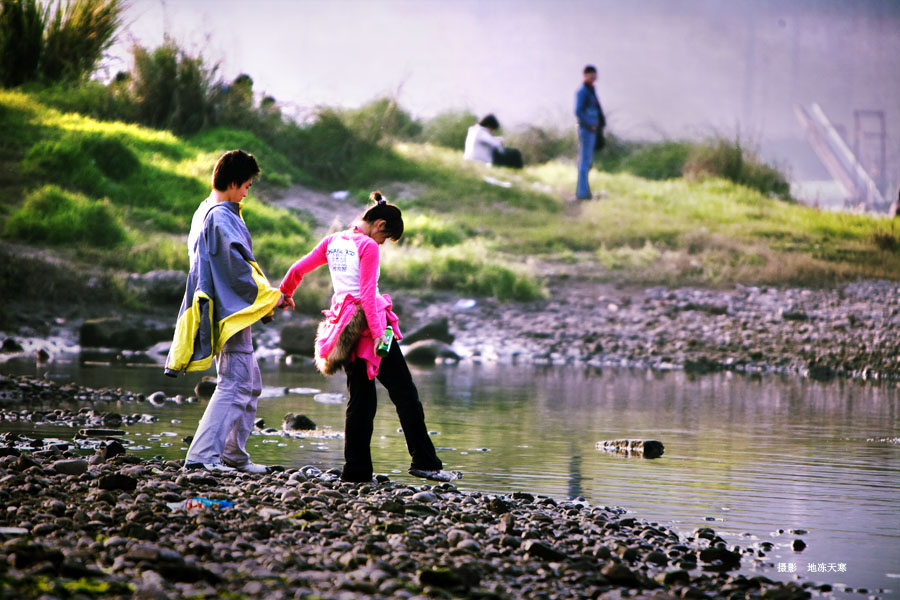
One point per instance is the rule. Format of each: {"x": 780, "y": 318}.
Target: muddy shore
{"x": 115, "y": 526}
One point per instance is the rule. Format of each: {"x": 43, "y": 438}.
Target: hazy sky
{"x": 666, "y": 67}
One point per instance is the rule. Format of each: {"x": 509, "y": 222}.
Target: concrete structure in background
{"x": 841, "y": 162}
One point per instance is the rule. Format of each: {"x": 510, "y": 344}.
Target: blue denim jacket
{"x": 587, "y": 109}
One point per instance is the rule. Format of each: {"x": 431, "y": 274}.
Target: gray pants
{"x": 228, "y": 420}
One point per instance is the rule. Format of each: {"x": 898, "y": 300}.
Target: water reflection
{"x": 747, "y": 456}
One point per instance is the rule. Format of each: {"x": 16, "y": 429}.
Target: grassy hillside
{"x": 121, "y": 196}
{"x": 706, "y": 231}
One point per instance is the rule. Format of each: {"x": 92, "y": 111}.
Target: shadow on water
{"x": 753, "y": 457}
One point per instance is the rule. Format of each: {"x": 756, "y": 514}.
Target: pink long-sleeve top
{"x": 352, "y": 258}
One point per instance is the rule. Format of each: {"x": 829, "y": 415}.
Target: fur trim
{"x": 346, "y": 344}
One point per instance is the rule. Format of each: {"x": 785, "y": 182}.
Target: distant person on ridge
{"x": 483, "y": 146}
{"x": 226, "y": 293}
{"x": 590, "y": 130}
{"x": 360, "y": 334}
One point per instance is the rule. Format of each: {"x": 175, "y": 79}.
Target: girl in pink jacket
{"x": 353, "y": 328}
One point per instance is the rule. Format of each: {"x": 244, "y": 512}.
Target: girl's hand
{"x": 286, "y": 301}
{"x": 378, "y": 341}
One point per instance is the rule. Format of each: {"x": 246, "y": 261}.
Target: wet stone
{"x": 205, "y": 387}
{"x": 619, "y": 574}
{"x": 297, "y": 422}
{"x": 427, "y": 497}
{"x": 70, "y": 467}
{"x": 544, "y": 551}
{"x": 722, "y": 556}
{"x": 117, "y": 481}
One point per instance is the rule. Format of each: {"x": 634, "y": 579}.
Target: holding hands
{"x": 286, "y": 302}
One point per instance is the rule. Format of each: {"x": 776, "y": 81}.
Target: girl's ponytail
{"x": 382, "y": 210}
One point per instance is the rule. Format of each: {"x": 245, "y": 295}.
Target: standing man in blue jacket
{"x": 590, "y": 125}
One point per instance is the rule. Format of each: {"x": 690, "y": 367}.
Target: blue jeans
{"x": 586, "y": 139}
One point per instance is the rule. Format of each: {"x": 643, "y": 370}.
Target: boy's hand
{"x": 286, "y": 301}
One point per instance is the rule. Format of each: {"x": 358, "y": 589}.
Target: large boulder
{"x": 112, "y": 449}
{"x": 122, "y": 333}
{"x": 426, "y": 352}
{"x": 11, "y": 345}
{"x": 438, "y": 329}
{"x": 299, "y": 338}
{"x": 297, "y": 422}
{"x": 205, "y": 387}
{"x": 158, "y": 287}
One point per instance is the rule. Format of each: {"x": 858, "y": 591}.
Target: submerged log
{"x": 645, "y": 448}
{"x": 101, "y": 432}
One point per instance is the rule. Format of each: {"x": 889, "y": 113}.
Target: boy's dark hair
{"x": 590, "y": 69}
{"x": 393, "y": 218}
{"x": 489, "y": 121}
{"x": 235, "y": 166}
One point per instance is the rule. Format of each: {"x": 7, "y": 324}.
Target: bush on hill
{"x": 380, "y": 119}
{"x": 170, "y": 89}
{"x": 736, "y": 162}
{"x": 62, "y": 43}
{"x": 55, "y": 216}
{"x": 448, "y": 129}
{"x": 715, "y": 157}
{"x": 539, "y": 145}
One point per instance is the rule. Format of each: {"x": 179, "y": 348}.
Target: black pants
{"x": 393, "y": 375}
{"x": 508, "y": 157}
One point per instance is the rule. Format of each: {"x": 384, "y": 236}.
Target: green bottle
{"x": 385, "y": 346}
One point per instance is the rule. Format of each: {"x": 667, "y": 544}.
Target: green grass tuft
{"x": 449, "y": 128}
{"x": 464, "y": 269}
{"x": 54, "y": 216}
{"x": 427, "y": 230}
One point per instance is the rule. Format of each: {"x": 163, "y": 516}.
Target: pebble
{"x": 425, "y": 497}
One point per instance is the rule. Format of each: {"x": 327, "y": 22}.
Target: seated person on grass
{"x": 483, "y": 146}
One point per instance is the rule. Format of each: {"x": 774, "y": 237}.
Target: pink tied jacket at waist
{"x": 352, "y": 258}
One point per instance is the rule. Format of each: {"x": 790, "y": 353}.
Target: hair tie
{"x": 382, "y": 200}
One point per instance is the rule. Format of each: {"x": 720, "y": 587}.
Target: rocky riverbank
{"x": 850, "y": 331}
{"x": 116, "y": 526}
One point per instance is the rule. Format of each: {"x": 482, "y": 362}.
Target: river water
{"x": 758, "y": 459}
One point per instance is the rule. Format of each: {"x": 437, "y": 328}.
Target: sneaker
{"x": 250, "y": 467}
{"x": 437, "y": 475}
{"x": 219, "y": 467}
